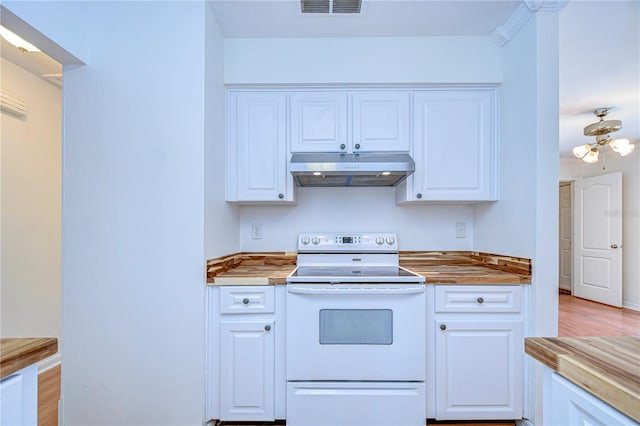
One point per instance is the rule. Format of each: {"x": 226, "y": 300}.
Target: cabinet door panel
{"x": 454, "y": 146}
{"x": 478, "y": 370}
{"x": 247, "y": 370}
{"x": 257, "y": 162}
{"x": 318, "y": 122}
{"x": 381, "y": 121}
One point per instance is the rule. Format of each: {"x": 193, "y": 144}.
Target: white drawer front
{"x": 473, "y": 298}
{"x": 247, "y": 300}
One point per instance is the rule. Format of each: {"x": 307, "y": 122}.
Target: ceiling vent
{"x": 330, "y": 6}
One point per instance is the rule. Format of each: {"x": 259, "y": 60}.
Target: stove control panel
{"x": 347, "y": 242}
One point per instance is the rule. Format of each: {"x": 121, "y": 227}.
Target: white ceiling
{"x": 378, "y": 18}
{"x": 599, "y": 45}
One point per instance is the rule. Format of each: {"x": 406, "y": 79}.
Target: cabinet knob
{"x": 267, "y": 327}
{"x": 245, "y": 300}
{"x": 480, "y": 300}
{"x": 357, "y": 146}
{"x": 443, "y": 327}
{"x": 342, "y": 146}
{"x": 614, "y": 246}
{"x": 418, "y": 195}
{"x": 281, "y": 195}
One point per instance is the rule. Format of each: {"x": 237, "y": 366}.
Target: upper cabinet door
{"x": 257, "y": 148}
{"x": 454, "y": 147}
{"x": 319, "y": 122}
{"x": 381, "y": 121}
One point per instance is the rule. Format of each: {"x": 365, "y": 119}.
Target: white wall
{"x": 133, "y": 214}
{"x": 525, "y": 220}
{"x": 221, "y": 222}
{"x": 362, "y": 60}
{"x": 360, "y": 210}
{"x": 352, "y": 61}
{"x": 571, "y": 169}
{"x": 31, "y": 203}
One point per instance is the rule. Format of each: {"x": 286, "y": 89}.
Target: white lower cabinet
{"x": 246, "y": 373}
{"x": 247, "y": 379}
{"x": 566, "y": 404}
{"x": 478, "y": 366}
{"x": 19, "y": 397}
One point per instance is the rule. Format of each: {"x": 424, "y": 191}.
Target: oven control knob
{"x": 315, "y": 240}
{"x": 305, "y": 240}
{"x": 379, "y": 240}
{"x": 390, "y": 240}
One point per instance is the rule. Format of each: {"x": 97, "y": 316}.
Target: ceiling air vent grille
{"x": 346, "y": 6}
{"x": 330, "y": 6}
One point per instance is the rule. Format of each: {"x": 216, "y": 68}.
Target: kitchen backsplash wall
{"x": 421, "y": 227}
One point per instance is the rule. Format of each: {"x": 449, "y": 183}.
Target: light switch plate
{"x": 256, "y": 231}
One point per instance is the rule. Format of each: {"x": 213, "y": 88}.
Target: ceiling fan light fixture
{"x": 601, "y": 130}
{"x": 582, "y": 150}
{"x": 592, "y": 156}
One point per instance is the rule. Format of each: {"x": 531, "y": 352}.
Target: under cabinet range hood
{"x": 338, "y": 169}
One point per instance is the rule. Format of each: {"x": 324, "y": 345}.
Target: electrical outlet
{"x": 256, "y": 231}
{"x": 461, "y": 231}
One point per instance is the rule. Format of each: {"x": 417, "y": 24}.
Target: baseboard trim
{"x": 49, "y": 363}
{"x": 564, "y": 291}
{"x": 631, "y": 306}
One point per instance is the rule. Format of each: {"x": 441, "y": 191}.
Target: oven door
{"x": 356, "y": 332}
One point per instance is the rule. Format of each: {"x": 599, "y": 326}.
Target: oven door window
{"x": 356, "y": 327}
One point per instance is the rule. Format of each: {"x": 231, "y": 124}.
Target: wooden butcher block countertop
{"x": 16, "y": 354}
{"x": 606, "y": 367}
{"x": 437, "y": 267}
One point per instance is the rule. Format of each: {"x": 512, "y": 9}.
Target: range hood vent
{"x": 336, "y": 169}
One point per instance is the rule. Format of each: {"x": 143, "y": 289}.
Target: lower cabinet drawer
{"x": 356, "y": 403}
{"x": 472, "y": 298}
{"x": 247, "y": 299}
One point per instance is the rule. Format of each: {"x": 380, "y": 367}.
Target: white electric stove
{"x": 355, "y": 334}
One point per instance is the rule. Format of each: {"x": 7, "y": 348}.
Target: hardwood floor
{"x": 48, "y": 396}
{"x": 580, "y": 317}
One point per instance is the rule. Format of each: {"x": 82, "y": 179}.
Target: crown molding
{"x": 503, "y": 33}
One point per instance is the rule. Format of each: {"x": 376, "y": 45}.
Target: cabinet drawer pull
{"x": 419, "y": 195}
{"x": 245, "y": 300}
{"x": 281, "y": 195}
{"x": 480, "y": 300}
{"x": 267, "y": 327}
{"x": 443, "y": 327}
{"x": 357, "y": 146}
{"x": 342, "y": 146}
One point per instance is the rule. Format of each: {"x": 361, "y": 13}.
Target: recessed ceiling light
{"x": 17, "y": 41}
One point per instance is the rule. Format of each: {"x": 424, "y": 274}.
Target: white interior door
{"x": 597, "y": 256}
{"x": 565, "y": 231}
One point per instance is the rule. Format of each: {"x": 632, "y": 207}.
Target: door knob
{"x": 614, "y": 246}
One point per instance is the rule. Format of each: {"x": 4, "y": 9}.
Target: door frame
{"x": 570, "y": 183}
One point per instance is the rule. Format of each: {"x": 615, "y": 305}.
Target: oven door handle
{"x": 356, "y": 291}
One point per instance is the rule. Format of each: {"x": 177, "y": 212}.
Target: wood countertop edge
{"x": 16, "y": 354}
{"x": 600, "y": 385}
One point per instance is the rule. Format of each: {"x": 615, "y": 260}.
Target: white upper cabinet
{"x": 326, "y": 121}
{"x": 380, "y": 121}
{"x": 257, "y": 148}
{"x": 454, "y": 147}
{"x": 318, "y": 122}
